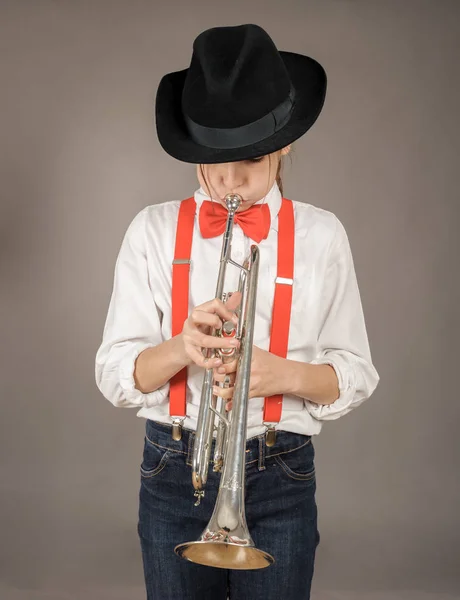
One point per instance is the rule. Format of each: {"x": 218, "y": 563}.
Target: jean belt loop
{"x": 191, "y": 437}
{"x": 261, "y": 465}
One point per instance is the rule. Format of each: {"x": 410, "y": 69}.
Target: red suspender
{"x": 281, "y": 317}
{"x": 180, "y": 297}
{"x": 281, "y": 305}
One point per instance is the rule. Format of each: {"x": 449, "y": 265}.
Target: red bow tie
{"x": 254, "y": 221}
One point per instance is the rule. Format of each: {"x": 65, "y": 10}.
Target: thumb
{"x": 234, "y": 300}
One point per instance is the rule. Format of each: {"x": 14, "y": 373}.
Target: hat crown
{"x": 236, "y": 75}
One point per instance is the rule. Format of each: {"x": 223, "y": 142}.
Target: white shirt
{"x": 327, "y": 321}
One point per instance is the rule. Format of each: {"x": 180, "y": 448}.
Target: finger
{"x": 229, "y": 405}
{"x": 212, "y": 341}
{"x": 226, "y": 393}
{"x": 224, "y": 310}
{"x": 229, "y": 367}
{"x": 225, "y": 380}
{"x": 234, "y": 300}
{"x": 202, "y": 361}
{"x": 201, "y": 317}
{"x": 222, "y": 378}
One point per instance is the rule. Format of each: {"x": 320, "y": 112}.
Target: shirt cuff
{"x": 347, "y": 388}
{"x": 133, "y": 397}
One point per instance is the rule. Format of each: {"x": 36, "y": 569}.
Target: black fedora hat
{"x": 240, "y": 98}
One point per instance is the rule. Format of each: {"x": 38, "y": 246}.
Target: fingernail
{"x": 221, "y": 370}
{"x": 235, "y": 319}
{"x": 234, "y": 343}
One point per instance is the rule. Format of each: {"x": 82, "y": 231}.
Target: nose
{"x": 232, "y": 176}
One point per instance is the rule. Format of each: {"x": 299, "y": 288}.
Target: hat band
{"x": 235, "y": 137}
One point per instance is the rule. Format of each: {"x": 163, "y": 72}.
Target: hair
{"x": 279, "y": 177}
{"x": 282, "y": 159}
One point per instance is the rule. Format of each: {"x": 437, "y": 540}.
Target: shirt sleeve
{"x": 342, "y": 340}
{"x": 133, "y": 324}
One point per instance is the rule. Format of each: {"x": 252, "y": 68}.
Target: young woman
{"x": 235, "y": 113}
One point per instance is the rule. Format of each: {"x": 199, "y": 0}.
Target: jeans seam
{"x": 293, "y": 475}
{"x": 165, "y": 447}
{"x": 157, "y": 470}
{"x": 290, "y": 449}
{"x": 261, "y": 449}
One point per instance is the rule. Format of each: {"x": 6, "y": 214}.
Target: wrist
{"x": 180, "y": 352}
{"x": 290, "y": 376}
{"x": 317, "y": 383}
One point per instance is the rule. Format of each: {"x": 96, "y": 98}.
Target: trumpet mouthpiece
{"x": 233, "y": 201}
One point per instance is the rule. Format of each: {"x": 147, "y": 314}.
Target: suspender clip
{"x": 177, "y": 428}
{"x": 270, "y": 434}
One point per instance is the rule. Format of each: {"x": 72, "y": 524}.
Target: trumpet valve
{"x": 228, "y": 329}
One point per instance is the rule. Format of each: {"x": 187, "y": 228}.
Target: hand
{"x": 198, "y": 328}
{"x": 267, "y": 376}
{"x": 225, "y": 373}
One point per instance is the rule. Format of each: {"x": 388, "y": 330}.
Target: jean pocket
{"x": 154, "y": 459}
{"x": 298, "y": 463}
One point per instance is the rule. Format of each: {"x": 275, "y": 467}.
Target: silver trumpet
{"x": 226, "y": 541}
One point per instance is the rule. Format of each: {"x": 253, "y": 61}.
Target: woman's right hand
{"x": 202, "y": 321}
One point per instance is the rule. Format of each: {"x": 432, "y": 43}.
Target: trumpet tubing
{"x": 226, "y": 541}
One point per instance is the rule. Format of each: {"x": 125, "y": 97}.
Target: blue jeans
{"x": 280, "y": 508}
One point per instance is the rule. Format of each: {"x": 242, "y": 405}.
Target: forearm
{"x": 317, "y": 383}
{"x": 156, "y": 366}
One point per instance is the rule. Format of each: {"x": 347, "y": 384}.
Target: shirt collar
{"x": 273, "y": 199}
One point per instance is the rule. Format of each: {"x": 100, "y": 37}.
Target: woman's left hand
{"x": 266, "y": 376}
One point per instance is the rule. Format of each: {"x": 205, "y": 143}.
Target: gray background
{"x": 79, "y": 158}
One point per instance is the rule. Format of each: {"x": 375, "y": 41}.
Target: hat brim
{"x": 309, "y": 80}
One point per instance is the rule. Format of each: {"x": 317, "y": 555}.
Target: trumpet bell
{"x": 226, "y": 542}
{"x": 224, "y": 555}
